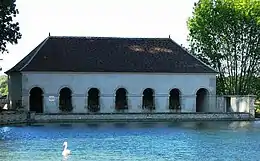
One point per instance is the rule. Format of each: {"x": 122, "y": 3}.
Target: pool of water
{"x": 132, "y": 141}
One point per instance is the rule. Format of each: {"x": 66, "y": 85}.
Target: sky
{"x": 100, "y": 18}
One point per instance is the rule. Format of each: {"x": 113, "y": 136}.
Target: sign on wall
{"x": 51, "y": 98}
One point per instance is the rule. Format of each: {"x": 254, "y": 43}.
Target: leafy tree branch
{"x": 225, "y": 35}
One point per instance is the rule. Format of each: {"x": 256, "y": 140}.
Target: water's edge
{"x": 24, "y": 118}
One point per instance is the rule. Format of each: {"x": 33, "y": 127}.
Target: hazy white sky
{"x": 114, "y": 18}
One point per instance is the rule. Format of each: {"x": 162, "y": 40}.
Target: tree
{"x": 9, "y": 29}
{"x": 225, "y": 35}
{"x": 3, "y": 85}
{"x": 255, "y": 85}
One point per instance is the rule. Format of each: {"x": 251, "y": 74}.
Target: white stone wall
{"x": 237, "y": 104}
{"x": 14, "y": 89}
{"x": 108, "y": 83}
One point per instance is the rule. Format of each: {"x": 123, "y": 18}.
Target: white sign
{"x": 51, "y": 98}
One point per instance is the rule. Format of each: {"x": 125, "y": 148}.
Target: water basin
{"x": 185, "y": 141}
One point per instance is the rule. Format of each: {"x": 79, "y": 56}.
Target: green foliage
{"x": 257, "y": 109}
{"x": 3, "y": 85}
{"x": 255, "y": 87}
{"x": 225, "y": 35}
{"x": 9, "y": 29}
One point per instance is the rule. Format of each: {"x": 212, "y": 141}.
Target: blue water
{"x": 185, "y": 141}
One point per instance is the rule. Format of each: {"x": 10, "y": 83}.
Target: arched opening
{"x": 148, "y": 99}
{"x": 174, "y": 100}
{"x": 202, "y": 100}
{"x": 36, "y": 100}
{"x": 93, "y": 100}
{"x": 65, "y": 100}
{"x": 121, "y": 99}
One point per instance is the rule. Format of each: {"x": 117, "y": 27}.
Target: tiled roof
{"x": 105, "y": 54}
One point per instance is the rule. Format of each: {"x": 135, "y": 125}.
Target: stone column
{"x": 220, "y": 104}
{"x": 212, "y": 104}
{"x": 107, "y": 103}
{"x": 51, "y": 103}
{"x": 188, "y": 103}
{"x": 25, "y": 100}
{"x": 162, "y": 103}
{"x": 78, "y": 103}
{"x": 251, "y": 104}
{"x": 25, "y": 103}
{"x": 135, "y": 103}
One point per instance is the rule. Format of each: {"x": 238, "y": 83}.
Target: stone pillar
{"x": 251, "y": 104}
{"x": 212, "y": 104}
{"x": 78, "y": 103}
{"x": 51, "y": 103}
{"x": 9, "y": 96}
{"x": 25, "y": 103}
{"x": 188, "y": 103}
{"x": 24, "y": 99}
{"x": 107, "y": 103}
{"x": 162, "y": 103}
{"x": 16, "y": 90}
{"x": 220, "y": 104}
{"x": 135, "y": 103}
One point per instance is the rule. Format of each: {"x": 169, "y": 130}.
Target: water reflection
{"x": 66, "y": 125}
{"x": 190, "y": 125}
{"x": 36, "y": 125}
{"x": 242, "y": 124}
{"x": 4, "y": 133}
{"x": 4, "y": 129}
{"x": 120, "y": 125}
{"x": 93, "y": 125}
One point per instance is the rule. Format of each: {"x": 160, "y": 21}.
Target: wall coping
{"x": 145, "y": 113}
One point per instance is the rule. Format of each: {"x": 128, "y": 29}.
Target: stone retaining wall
{"x": 141, "y": 117}
{"x": 12, "y": 117}
{"x": 22, "y": 117}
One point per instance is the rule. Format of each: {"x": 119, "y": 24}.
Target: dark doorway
{"x": 65, "y": 100}
{"x": 36, "y": 100}
{"x": 121, "y": 99}
{"x": 93, "y": 100}
{"x": 228, "y": 104}
{"x": 174, "y": 100}
{"x": 148, "y": 99}
{"x": 202, "y": 100}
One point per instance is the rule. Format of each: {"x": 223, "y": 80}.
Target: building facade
{"x": 108, "y": 75}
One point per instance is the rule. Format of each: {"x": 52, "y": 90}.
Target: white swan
{"x": 65, "y": 151}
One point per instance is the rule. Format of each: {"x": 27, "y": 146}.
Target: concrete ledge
{"x": 23, "y": 117}
{"x": 141, "y": 113}
{"x": 151, "y": 117}
{"x": 12, "y": 117}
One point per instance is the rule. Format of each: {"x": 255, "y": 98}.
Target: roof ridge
{"x": 108, "y": 37}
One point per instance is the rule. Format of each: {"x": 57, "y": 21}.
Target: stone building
{"x": 106, "y": 75}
